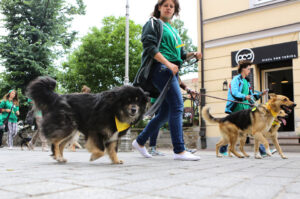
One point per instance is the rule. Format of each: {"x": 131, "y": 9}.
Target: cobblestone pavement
{"x": 33, "y": 174}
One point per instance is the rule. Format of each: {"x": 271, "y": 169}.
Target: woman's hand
{"x": 198, "y": 55}
{"x": 7, "y": 110}
{"x": 18, "y": 113}
{"x": 173, "y": 68}
{"x": 248, "y": 97}
{"x": 192, "y": 93}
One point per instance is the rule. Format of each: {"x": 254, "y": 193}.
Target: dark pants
{"x": 1, "y": 135}
{"x": 262, "y": 149}
{"x": 170, "y": 111}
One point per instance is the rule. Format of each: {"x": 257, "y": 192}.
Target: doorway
{"x": 280, "y": 81}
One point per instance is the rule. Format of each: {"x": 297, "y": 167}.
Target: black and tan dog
{"x": 271, "y": 134}
{"x": 101, "y": 117}
{"x": 255, "y": 122}
{"x": 24, "y": 139}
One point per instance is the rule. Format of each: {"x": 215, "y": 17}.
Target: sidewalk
{"x": 33, "y": 174}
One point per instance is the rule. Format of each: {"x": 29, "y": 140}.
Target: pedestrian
{"x": 1, "y": 128}
{"x": 163, "y": 54}
{"x": 38, "y": 116}
{"x": 240, "y": 90}
{"x": 10, "y": 112}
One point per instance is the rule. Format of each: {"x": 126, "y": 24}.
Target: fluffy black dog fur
{"x": 92, "y": 114}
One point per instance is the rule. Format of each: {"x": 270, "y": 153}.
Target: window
{"x": 257, "y": 3}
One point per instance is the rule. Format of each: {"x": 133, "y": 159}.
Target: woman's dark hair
{"x": 243, "y": 64}
{"x": 156, "y": 12}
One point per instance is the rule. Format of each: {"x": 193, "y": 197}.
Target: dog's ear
{"x": 272, "y": 95}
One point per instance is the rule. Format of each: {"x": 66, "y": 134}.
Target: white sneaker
{"x": 10, "y": 148}
{"x": 142, "y": 150}
{"x": 186, "y": 156}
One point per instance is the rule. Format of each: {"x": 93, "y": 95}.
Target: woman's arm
{"x": 160, "y": 58}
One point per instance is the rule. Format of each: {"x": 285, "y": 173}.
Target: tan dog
{"x": 271, "y": 134}
{"x": 255, "y": 122}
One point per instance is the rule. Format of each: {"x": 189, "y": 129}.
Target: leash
{"x": 197, "y": 99}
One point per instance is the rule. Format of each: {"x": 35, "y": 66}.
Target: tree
{"x": 99, "y": 62}
{"x": 189, "y": 47}
{"x": 37, "y": 33}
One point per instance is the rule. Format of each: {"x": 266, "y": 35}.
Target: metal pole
{"x": 126, "y": 80}
{"x": 126, "y": 139}
{"x": 202, "y": 90}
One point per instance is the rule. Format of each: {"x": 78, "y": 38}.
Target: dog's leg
{"x": 243, "y": 139}
{"x": 222, "y": 142}
{"x": 232, "y": 144}
{"x": 111, "y": 150}
{"x": 275, "y": 142}
{"x": 256, "y": 148}
{"x": 259, "y": 136}
{"x": 57, "y": 152}
{"x": 92, "y": 148}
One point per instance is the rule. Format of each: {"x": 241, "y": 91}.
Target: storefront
{"x": 274, "y": 65}
{"x": 265, "y": 32}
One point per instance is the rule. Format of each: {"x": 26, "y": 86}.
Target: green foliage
{"x": 99, "y": 62}
{"x": 37, "y": 33}
{"x": 189, "y": 47}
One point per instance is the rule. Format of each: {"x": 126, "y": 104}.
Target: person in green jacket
{"x": 10, "y": 104}
{"x": 1, "y": 128}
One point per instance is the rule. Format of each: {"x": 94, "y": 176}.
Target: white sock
{"x": 142, "y": 150}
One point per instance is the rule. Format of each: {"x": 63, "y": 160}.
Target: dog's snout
{"x": 294, "y": 105}
{"x": 133, "y": 110}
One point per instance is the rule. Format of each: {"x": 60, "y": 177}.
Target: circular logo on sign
{"x": 244, "y": 54}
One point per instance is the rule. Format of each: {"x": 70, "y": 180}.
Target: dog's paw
{"x": 61, "y": 160}
{"x": 118, "y": 162}
{"x": 219, "y": 156}
{"x": 283, "y": 157}
{"x": 258, "y": 156}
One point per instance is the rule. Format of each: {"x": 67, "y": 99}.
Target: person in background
{"x": 240, "y": 90}
{"x": 38, "y": 133}
{"x": 1, "y": 128}
{"x": 10, "y": 109}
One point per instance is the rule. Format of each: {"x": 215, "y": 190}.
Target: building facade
{"x": 266, "y": 32}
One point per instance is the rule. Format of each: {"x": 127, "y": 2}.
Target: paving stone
{"x": 27, "y": 174}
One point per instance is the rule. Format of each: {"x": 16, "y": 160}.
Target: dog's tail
{"x": 41, "y": 91}
{"x": 208, "y": 117}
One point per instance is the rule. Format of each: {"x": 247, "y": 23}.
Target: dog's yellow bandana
{"x": 275, "y": 123}
{"x": 121, "y": 126}
{"x": 274, "y": 114}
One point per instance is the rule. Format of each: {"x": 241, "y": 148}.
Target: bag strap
{"x": 9, "y": 113}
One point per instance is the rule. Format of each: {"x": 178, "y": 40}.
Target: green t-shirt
{"x": 13, "y": 116}
{"x": 170, "y": 44}
{"x": 245, "y": 91}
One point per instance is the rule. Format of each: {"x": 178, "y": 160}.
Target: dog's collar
{"x": 275, "y": 123}
{"x": 274, "y": 114}
{"x": 121, "y": 126}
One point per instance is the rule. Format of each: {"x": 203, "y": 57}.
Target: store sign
{"x": 266, "y": 54}
{"x": 244, "y": 54}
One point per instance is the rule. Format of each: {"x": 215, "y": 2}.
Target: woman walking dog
{"x": 162, "y": 57}
{"x": 240, "y": 90}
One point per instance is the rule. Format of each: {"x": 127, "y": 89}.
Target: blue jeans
{"x": 170, "y": 111}
{"x": 262, "y": 149}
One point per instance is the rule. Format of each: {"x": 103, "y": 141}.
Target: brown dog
{"x": 255, "y": 122}
{"x": 271, "y": 134}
